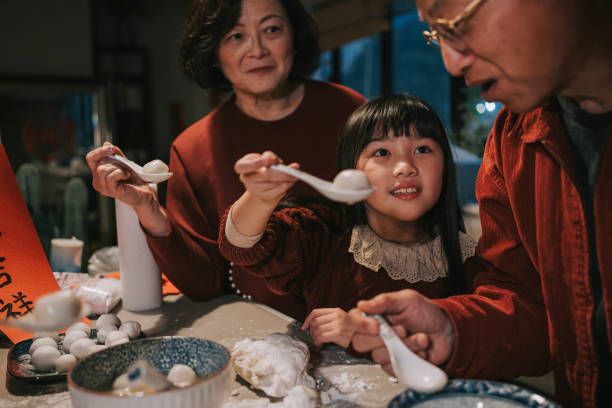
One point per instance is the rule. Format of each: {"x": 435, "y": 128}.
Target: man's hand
{"x": 423, "y": 326}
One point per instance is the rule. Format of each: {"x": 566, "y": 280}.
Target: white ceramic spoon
{"x": 141, "y": 171}
{"x": 349, "y": 186}
{"x": 54, "y": 311}
{"x": 410, "y": 369}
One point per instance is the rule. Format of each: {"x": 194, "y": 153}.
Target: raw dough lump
{"x": 274, "y": 365}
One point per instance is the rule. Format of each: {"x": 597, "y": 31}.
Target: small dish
{"x": 19, "y": 364}
{"x": 90, "y": 382}
{"x": 474, "y": 393}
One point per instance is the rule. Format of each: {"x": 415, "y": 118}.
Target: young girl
{"x": 407, "y": 234}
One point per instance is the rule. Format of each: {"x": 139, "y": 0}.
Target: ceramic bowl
{"x": 90, "y": 382}
{"x": 460, "y": 393}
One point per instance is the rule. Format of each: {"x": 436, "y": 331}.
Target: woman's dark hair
{"x": 403, "y": 114}
{"x": 210, "y": 20}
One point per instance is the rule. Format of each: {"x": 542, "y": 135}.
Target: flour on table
{"x": 274, "y": 365}
{"x": 346, "y": 387}
{"x": 299, "y": 396}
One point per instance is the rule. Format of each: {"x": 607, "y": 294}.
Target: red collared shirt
{"x": 532, "y": 306}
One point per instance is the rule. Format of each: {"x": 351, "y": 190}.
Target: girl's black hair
{"x": 210, "y": 20}
{"x": 402, "y": 114}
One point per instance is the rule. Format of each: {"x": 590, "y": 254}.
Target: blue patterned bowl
{"x": 474, "y": 393}
{"x": 90, "y": 382}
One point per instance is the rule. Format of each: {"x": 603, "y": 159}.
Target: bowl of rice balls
{"x": 153, "y": 372}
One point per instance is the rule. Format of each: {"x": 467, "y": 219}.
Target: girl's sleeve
{"x": 287, "y": 253}
{"x": 189, "y": 255}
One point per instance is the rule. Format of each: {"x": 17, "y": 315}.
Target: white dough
{"x": 299, "y": 396}
{"x": 80, "y": 346}
{"x": 181, "y": 375}
{"x": 71, "y": 338}
{"x": 44, "y": 357}
{"x": 103, "y": 332}
{"x": 116, "y": 337}
{"x": 44, "y": 341}
{"x": 94, "y": 348}
{"x": 107, "y": 318}
{"x": 351, "y": 179}
{"x": 65, "y": 362}
{"x": 40, "y": 334}
{"x": 155, "y": 167}
{"x": 79, "y": 326}
{"x": 275, "y": 364}
{"x": 131, "y": 328}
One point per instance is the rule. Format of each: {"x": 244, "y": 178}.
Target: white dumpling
{"x": 131, "y": 328}
{"x": 121, "y": 382}
{"x": 44, "y": 357}
{"x": 71, "y": 338}
{"x": 95, "y": 348}
{"x": 79, "y": 347}
{"x": 40, "y": 334}
{"x": 65, "y": 363}
{"x": 103, "y": 332}
{"x": 351, "y": 179}
{"x": 116, "y": 337}
{"x": 181, "y": 375}
{"x": 44, "y": 341}
{"x": 155, "y": 167}
{"x": 80, "y": 326}
{"x": 107, "y": 318}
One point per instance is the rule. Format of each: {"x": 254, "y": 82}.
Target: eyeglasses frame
{"x": 433, "y": 37}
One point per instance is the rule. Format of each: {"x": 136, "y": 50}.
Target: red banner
{"x": 25, "y": 274}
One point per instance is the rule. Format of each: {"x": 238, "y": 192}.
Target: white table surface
{"x": 227, "y": 320}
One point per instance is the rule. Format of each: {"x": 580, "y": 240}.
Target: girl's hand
{"x": 330, "y": 325}
{"x": 112, "y": 180}
{"x": 259, "y": 181}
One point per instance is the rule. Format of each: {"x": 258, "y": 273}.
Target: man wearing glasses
{"x": 542, "y": 287}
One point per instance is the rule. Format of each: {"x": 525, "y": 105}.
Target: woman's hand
{"x": 112, "y": 180}
{"x": 267, "y": 185}
{"x": 329, "y": 326}
{"x": 423, "y": 326}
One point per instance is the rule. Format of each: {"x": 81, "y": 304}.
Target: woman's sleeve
{"x": 501, "y": 329}
{"x": 189, "y": 255}
{"x": 286, "y": 255}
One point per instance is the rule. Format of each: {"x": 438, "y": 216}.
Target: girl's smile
{"x": 406, "y": 191}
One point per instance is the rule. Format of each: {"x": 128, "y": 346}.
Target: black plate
{"x": 19, "y": 363}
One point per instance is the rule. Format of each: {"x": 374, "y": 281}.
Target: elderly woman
{"x": 262, "y": 50}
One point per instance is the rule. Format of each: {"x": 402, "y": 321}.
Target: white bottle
{"x": 140, "y": 276}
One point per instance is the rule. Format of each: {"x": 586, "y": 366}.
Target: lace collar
{"x": 418, "y": 262}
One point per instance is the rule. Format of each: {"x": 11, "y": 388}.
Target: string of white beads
{"x": 233, "y": 284}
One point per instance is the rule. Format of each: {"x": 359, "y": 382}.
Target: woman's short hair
{"x": 210, "y": 20}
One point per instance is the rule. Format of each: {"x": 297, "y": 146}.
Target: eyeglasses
{"x": 443, "y": 29}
